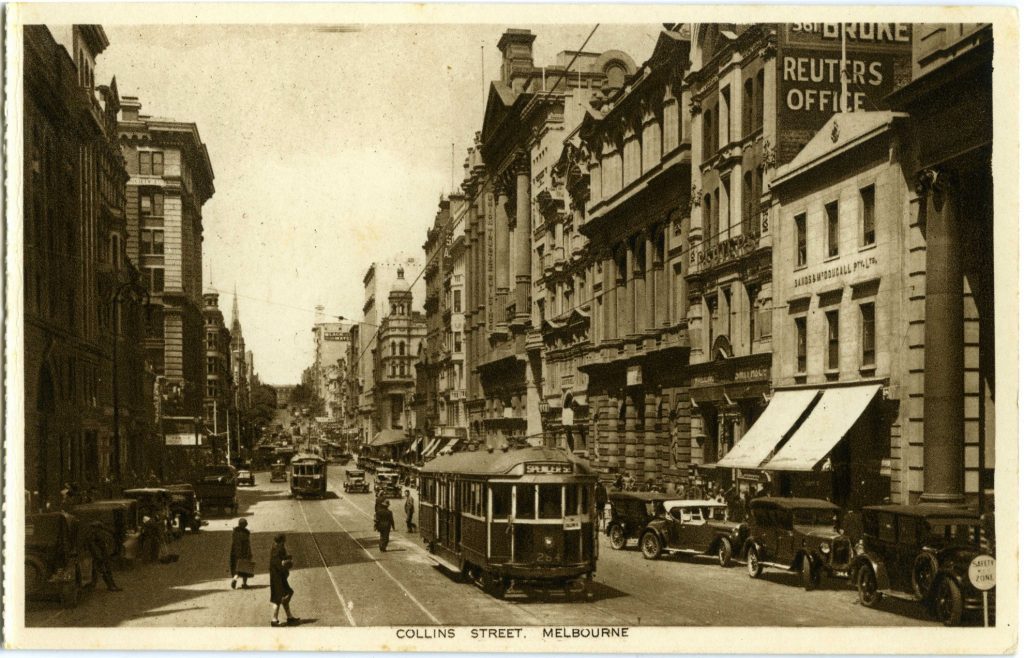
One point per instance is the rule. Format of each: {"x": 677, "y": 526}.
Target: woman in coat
{"x": 240, "y": 550}
{"x": 280, "y": 591}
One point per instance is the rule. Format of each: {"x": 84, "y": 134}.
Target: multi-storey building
{"x": 429, "y": 364}
{"x": 400, "y": 338}
{"x": 947, "y": 448}
{"x": 628, "y": 173}
{"x": 219, "y": 411}
{"x": 77, "y": 277}
{"x": 452, "y": 376}
{"x": 507, "y": 176}
{"x": 330, "y": 363}
{"x": 377, "y": 285}
{"x": 171, "y": 179}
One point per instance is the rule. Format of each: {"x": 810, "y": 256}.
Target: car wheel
{"x": 724, "y": 552}
{"x": 949, "y": 602}
{"x": 650, "y": 545}
{"x": 808, "y": 573}
{"x": 754, "y": 567}
{"x": 617, "y": 537}
{"x": 867, "y": 586}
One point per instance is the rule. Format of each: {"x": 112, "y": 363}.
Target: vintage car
{"x": 119, "y": 517}
{"x": 920, "y": 553}
{"x": 279, "y": 472}
{"x": 696, "y": 527}
{"x": 387, "y": 483}
{"x": 58, "y": 562}
{"x": 355, "y": 481}
{"x": 797, "y": 535}
{"x": 631, "y": 511}
{"x": 217, "y": 487}
{"x": 185, "y": 512}
{"x": 246, "y": 477}
{"x": 154, "y": 502}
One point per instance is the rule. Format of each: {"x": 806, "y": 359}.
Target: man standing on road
{"x": 100, "y": 544}
{"x": 384, "y": 523}
{"x": 410, "y": 511}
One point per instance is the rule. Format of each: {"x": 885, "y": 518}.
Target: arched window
{"x": 401, "y": 348}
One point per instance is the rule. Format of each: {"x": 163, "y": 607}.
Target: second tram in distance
{"x": 509, "y": 518}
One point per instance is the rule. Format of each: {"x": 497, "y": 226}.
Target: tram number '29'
{"x": 547, "y": 469}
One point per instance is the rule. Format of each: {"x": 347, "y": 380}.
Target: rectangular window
{"x": 800, "y": 225}
{"x": 158, "y": 163}
{"x": 550, "y": 501}
{"x": 748, "y": 106}
{"x": 146, "y": 242}
{"x": 748, "y": 203}
{"x": 211, "y": 365}
{"x": 151, "y": 163}
{"x": 832, "y": 227}
{"x": 867, "y": 334}
{"x": 759, "y": 101}
{"x": 457, "y": 301}
{"x": 752, "y": 314}
{"x": 501, "y": 501}
{"x": 525, "y": 494}
{"x": 832, "y": 328}
{"x": 151, "y": 204}
{"x": 726, "y": 116}
{"x": 458, "y": 342}
{"x": 867, "y": 215}
{"x": 801, "y": 344}
{"x": 158, "y": 242}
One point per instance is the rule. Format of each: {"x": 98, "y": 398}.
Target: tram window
{"x": 585, "y": 499}
{"x": 478, "y": 502}
{"x": 572, "y": 499}
{"x": 501, "y": 501}
{"x": 525, "y": 494}
{"x": 550, "y": 501}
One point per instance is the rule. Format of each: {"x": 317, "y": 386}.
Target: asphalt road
{"x": 341, "y": 579}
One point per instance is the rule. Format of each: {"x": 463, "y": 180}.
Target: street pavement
{"x": 341, "y": 579}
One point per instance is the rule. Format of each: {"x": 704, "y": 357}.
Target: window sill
{"x": 829, "y": 259}
{"x": 867, "y": 247}
{"x": 868, "y": 370}
{"x": 800, "y": 267}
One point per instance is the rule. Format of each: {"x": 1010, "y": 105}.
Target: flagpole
{"x": 842, "y": 73}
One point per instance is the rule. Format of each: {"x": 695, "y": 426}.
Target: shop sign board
{"x": 634, "y": 376}
{"x": 809, "y": 69}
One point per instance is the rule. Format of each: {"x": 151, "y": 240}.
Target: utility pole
{"x": 227, "y": 419}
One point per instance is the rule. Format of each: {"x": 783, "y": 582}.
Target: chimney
{"x": 130, "y": 107}
{"x": 516, "y": 48}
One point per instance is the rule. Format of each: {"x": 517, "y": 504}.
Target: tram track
{"x": 323, "y": 560}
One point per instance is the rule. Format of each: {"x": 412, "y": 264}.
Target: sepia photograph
{"x": 417, "y": 328}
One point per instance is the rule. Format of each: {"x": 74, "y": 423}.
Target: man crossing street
{"x": 410, "y": 511}
{"x": 384, "y": 523}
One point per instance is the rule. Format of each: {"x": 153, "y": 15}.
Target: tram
{"x": 511, "y": 518}
{"x": 308, "y": 475}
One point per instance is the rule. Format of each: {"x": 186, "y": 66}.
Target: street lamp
{"x": 342, "y": 318}
{"x": 134, "y": 291}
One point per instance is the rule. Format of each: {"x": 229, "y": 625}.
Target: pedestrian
{"x": 241, "y": 555}
{"x": 101, "y": 543}
{"x": 280, "y": 591}
{"x": 410, "y": 511}
{"x": 601, "y": 500}
{"x": 384, "y": 523}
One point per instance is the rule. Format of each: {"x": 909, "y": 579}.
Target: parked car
{"x": 216, "y": 487}
{"x": 920, "y": 553}
{"x": 798, "y": 535}
{"x": 247, "y": 478}
{"x": 185, "y": 512}
{"x": 696, "y": 527}
{"x": 154, "y": 502}
{"x": 279, "y": 472}
{"x": 631, "y": 511}
{"x": 57, "y": 560}
{"x": 387, "y": 483}
{"x": 355, "y": 481}
{"x": 119, "y": 517}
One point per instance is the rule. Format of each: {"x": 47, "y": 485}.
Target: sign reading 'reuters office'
{"x": 809, "y": 61}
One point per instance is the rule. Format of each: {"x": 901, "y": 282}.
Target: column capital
{"x": 935, "y": 180}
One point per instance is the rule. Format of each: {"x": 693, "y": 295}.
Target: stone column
{"x": 610, "y": 292}
{"x": 650, "y": 304}
{"x": 665, "y": 283}
{"x": 632, "y": 413}
{"x": 522, "y": 241}
{"x": 502, "y": 257}
{"x": 628, "y": 309}
{"x": 944, "y": 343}
{"x": 651, "y": 467}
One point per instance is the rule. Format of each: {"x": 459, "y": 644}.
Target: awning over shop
{"x": 412, "y": 448}
{"x": 830, "y": 420}
{"x": 448, "y": 447}
{"x": 388, "y": 437}
{"x": 782, "y": 413}
{"x": 431, "y": 447}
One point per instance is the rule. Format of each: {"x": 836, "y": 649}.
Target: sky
{"x": 331, "y": 148}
